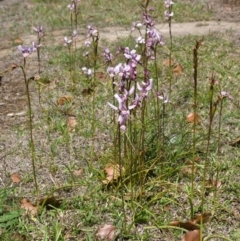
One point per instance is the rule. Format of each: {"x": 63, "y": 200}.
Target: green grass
{"x": 164, "y": 195}
{"x": 54, "y": 15}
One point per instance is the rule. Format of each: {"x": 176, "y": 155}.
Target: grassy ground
{"x": 71, "y": 160}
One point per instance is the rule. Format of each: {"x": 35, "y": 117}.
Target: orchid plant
{"x": 26, "y": 51}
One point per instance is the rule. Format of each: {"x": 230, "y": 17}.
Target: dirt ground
{"x": 13, "y": 109}
{"x": 226, "y": 15}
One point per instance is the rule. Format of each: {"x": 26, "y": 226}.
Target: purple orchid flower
{"x": 74, "y": 34}
{"x": 92, "y": 32}
{"x": 136, "y": 25}
{"x": 39, "y": 31}
{"x": 163, "y": 97}
{"x": 131, "y": 55}
{"x": 87, "y": 72}
{"x": 124, "y": 111}
{"x": 148, "y": 20}
{"x": 145, "y": 88}
{"x": 140, "y": 40}
{"x": 225, "y": 94}
{"x": 154, "y": 38}
{"x": 108, "y": 56}
{"x": 26, "y": 51}
{"x": 168, "y": 15}
{"x": 168, "y": 3}
{"x": 71, "y": 6}
{"x": 67, "y": 41}
{"x": 36, "y": 46}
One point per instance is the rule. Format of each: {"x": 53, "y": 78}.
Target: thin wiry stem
{"x": 195, "y": 78}
{"x": 218, "y": 152}
{"x": 32, "y": 146}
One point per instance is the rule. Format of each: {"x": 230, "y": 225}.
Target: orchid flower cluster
{"x": 168, "y": 13}
{"x": 40, "y": 35}
{"x": 127, "y": 72}
{"x": 127, "y": 75}
{"x": 73, "y": 5}
{"x": 92, "y": 37}
{"x": 74, "y": 12}
{"x": 154, "y": 38}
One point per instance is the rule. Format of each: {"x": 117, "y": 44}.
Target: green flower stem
{"x": 32, "y": 146}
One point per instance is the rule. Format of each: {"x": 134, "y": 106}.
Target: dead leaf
{"x": 87, "y": 91}
{"x": 37, "y": 77}
{"x": 29, "y": 207}
{"x": 78, "y": 172}
{"x": 50, "y": 202}
{"x": 14, "y": 66}
{"x": 9, "y": 69}
{"x": 18, "y": 237}
{"x": 191, "y": 236}
{"x": 236, "y": 142}
{"x": 189, "y": 225}
{"x": 197, "y": 159}
{"x": 18, "y": 41}
{"x": 15, "y": 178}
{"x": 112, "y": 173}
{"x": 168, "y": 63}
{"x": 187, "y": 170}
{"x": 205, "y": 218}
{"x": 64, "y": 100}
{"x": 107, "y": 232}
{"x": 193, "y": 117}
{"x": 107, "y": 20}
{"x": 213, "y": 183}
{"x": 177, "y": 70}
{"x": 71, "y": 123}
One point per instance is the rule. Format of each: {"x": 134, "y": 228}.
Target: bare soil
{"x": 13, "y": 106}
{"x": 13, "y": 109}
{"x": 226, "y": 16}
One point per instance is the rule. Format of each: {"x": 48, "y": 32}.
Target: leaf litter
{"x": 107, "y": 232}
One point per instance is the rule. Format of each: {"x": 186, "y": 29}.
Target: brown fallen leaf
{"x": 177, "y": 70}
{"x": 71, "y": 123}
{"x": 193, "y": 117}
{"x": 64, "y": 100}
{"x": 9, "y": 69}
{"x": 187, "y": 170}
{"x": 14, "y": 66}
{"x": 18, "y": 237}
{"x": 189, "y": 225}
{"x": 107, "y": 20}
{"x": 87, "y": 92}
{"x": 205, "y": 218}
{"x": 107, "y": 232}
{"x": 30, "y": 208}
{"x": 18, "y": 41}
{"x": 15, "y": 178}
{"x": 191, "y": 236}
{"x": 112, "y": 173}
{"x": 213, "y": 183}
{"x": 78, "y": 172}
{"x": 50, "y": 202}
{"x": 236, "y": 142}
